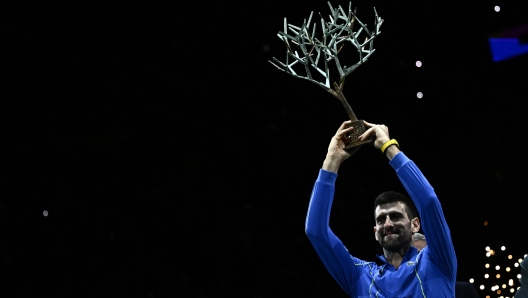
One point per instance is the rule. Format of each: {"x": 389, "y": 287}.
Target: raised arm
{"x": 432, "y": 219}
{"x": 336, "y": 150}
{"x": 329, "y": 248}
{"x": 433, "y": 222}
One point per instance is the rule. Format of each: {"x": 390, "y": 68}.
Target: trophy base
{"x": 359, "y": 128}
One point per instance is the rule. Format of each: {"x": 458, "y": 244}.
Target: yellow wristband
{"x": 388, "y": 143}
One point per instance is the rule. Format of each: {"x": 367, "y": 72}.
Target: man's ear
{"x": 415, "y": 225}
{"x": 375, "y": 234}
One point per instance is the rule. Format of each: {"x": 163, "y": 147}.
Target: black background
{"x": 175, "y": 161}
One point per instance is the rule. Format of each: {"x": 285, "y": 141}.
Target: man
{"x": 405, "y": 272}
{"x": 523, "y": 291}
{"x": 462, "y": 289}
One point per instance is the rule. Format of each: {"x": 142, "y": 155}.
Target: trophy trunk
{"x": 359, "y": 126}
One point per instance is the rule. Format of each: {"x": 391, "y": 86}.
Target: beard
{"x": 398, "y": 239}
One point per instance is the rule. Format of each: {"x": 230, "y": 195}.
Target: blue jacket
{"x": 430, "y": 273}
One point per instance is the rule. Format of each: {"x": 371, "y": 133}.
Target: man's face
{"x": 393, "y": 228}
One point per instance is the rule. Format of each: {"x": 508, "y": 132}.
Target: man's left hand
{"x": 380, "y": 131}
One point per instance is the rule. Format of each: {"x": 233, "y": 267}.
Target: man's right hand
{"x": 336, "y": 150}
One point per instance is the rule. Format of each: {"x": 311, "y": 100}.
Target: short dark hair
{"x": 391, "y": 197}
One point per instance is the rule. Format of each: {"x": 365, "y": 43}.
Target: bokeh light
{"x": 418, "y": 63}
{"x": 497, "y": 8}
{"x": 419, "y": 94}
{"x": 45, "y": 213}
{"x": 471, "y": 280}
{"x": 487, "y": 247}
{"x": 508, "y": 284}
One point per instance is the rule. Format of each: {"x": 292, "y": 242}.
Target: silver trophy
{"x": 315, "y": 52}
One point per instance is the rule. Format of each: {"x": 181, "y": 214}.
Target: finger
{"x": 343, "y": 132}
{"x": 343, "y": 126}
{"x": 366, "y": 134}
{"x": 368, "y": 124}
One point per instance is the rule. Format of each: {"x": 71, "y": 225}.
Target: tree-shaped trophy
{"x": 314, "y": 52}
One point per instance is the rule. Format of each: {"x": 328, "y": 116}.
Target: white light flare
{"x": 497, "y": 8}
{"x": 419, "y": 94}
{"x": 418, "y": 63}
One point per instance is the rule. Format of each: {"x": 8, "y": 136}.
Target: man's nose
{"x": 388, "y": 222}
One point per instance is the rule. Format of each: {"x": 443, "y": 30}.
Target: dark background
{"x": 175, "y": 161}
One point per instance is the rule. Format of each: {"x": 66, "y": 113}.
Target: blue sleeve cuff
{"x": 326, "y": 177}
{"x": 399, "y": 160}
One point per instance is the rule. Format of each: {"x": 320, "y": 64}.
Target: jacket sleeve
{"x": 330, "y": 249}
{"x": 432, "y": 218}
